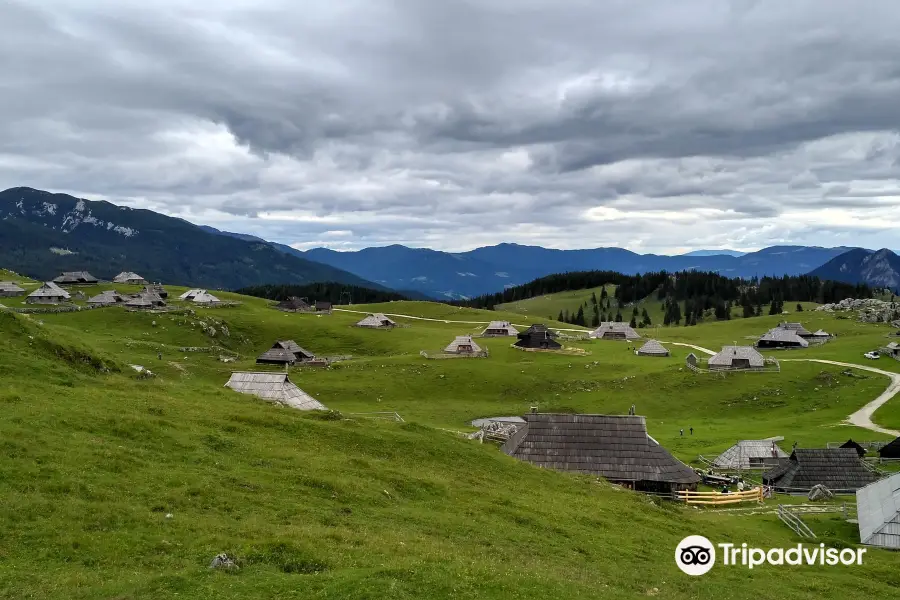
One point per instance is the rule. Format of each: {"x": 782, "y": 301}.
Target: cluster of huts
{"x": 733, "y": 358}
{"x": 295, "y": 304}
{"x": 791, "y": 335}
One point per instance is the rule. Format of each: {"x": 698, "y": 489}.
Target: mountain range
{"x": 42, "y": 234}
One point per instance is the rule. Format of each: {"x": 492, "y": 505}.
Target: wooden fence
{"x": 720, "y": 498}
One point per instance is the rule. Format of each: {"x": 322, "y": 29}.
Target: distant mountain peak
{"x": 879, "y": 269}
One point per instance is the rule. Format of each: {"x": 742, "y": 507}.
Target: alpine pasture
{"x": 120, "y": 485}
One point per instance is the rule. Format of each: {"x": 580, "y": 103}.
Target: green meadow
{"x": 118, "y": 485}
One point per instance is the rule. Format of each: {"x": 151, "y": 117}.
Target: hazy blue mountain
{"x": 876, "y": 269}
{"x": 714, "y": 253}
{"x": 42, "y": 234}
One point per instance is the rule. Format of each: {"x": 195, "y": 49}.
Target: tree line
{"x": 329, "y": 291}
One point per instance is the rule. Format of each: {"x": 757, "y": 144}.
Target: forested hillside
{"x": 329, "y": 291}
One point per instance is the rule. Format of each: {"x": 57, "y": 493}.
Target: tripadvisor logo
{"x": 696, "y": 555}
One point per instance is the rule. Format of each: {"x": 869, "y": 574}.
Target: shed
{"x": 751, "y": 454}
{"x": 892, "y": 349}
{"x": 76, "y": 278}
{"x": 652, "y": 348}
{"x": 106, "y": 298}
{"x": 838, "y": 469}
{"x": 300, "y": 354}
{"x": 294, "y": 304}
{"x": 538, "y": 337}
{"x": 48, "y": 293}
{"x": 463, "y": 344}
{"x": 325, "y": 307}
{"x": 878, "y": 513}
{"x": 614, "y": 330}
{"x": 890, "y": 450}
{"x": 736, "y": 357}
{"x": 274, "y": 387}
{"x": 127, "y": 277}
{"x": 276, "y": 356}
{"x": 616, "y": 447}
{"x": 500, "y": 329}
{"x": 781, "y": 338}
{"x": 8, "y": 289}
{"x": 377, "y": 321}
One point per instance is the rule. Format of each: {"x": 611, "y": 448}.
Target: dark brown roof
{"x": 615, "y": 447}
{"x": 320, "y": 305}
{"x": 293, "y": 303}
{"x": 851, "y": 444}
{"x": 294, "y": 348}
{"x": 541, "y": 330}
{"x": 891, "y": 450}
{"x": 838, "y": 469}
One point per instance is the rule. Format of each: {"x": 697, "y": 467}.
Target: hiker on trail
{"x": 682, "y": 432}
{"x": 692, "y": 431}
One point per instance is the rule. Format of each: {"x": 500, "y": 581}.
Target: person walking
{"x": 692, "y": 431}
{"x": 682, "y": 432}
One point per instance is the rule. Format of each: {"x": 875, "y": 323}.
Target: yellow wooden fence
{"x": 721, "y": 499}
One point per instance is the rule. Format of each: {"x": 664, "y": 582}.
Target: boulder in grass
{"x": 820, "y": 492}
{"x": 222, "y": 561}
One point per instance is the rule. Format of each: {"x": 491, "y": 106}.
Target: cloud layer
{"x": 656, "y": 126}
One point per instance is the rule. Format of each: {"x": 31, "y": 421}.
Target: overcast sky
{"x": 658, "y": 126}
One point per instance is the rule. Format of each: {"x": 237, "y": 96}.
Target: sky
{"x": 656, "y": 126}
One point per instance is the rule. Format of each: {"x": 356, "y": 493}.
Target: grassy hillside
{"x": 95, "y": 457}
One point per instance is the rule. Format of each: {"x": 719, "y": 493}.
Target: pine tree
{"x": 773, "y": 308}
{"x": 799, "y": 307}
{"x": 579, "y": 318}
{"x": 594, "y": 298}
{"x": 595, "y": 322}
{"x": 618, "y": 316}
{"x": 633, "y": 322}
{"x": 561, "y": 317}
{"x": 603, "y": 294}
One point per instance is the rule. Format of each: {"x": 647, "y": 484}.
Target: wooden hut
{"x": 838, "y": 469}
{"x": 878, "y": 513}
{"x": 751, "y": 454}
{"x": 851, "y": 444}
{"x": 129, "y": 278}
{"x": 8, "y": 289}
{"x": 273, "y": 387}
{"x": 76, "y": 278}
{"x": 106, "y": 298}
{"x": 890, "y": 450}
{"x": 652, "y": 348}
{"x": 463, "y": 344}
{"x": 324, "y": 307}
{"x": 781, "y": 338}
{"x": 156, "y": 289}
{"x": 48, "y": 293}
{"x": 736, "y": 358}
{"x": 500, "y": 329}
{"x": 294, "y": 304}
{"x": 614, "y": 330}
{"x": 538, "y": 337}
{"x": 797, "y": 328}
{"x": 616, "y": 447}
{"x": 205, "y": 298}
{"x": 276, "y": 356}
{"x": 377, "y": 321}
{"x": 300, "y": 354}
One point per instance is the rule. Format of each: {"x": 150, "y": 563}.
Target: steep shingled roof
{"x": 615, "y": 330}
{"x": 461, "y": 345}
{"x": 652, "y": 348}
{"x": 50, "y": 290}
{"x": 838, "y": 469}
{"x": 784, "y": 336}
{"x": 376, "y": 320}
{"x": 750, "y": 453}
{"x": 500, "y": 328}
{"x": 274, "y": 387}
{"x": 878, "y": 513}
{"x": 730, "y": 353}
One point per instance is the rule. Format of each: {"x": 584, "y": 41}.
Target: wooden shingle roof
{"x": 293, "y": 303}
{"x": 501, "y": 326}
{"x": 652, "y": 348}
{"x": 294, "y": 348}
{"x": 784, "y": 336}
{"x": 376, "y": 320}
{"x": 10, "y": 287}
{"x": 796, "y": 327}
{"x": 76, "y": 277}
{"x": 277, "y": 356}
{"x": 462, "y": 344}
{"x": 730, "y": 353}
{"x": 748, "y": 453}
{"x": 616, "y": 330}
{"x": 838, "y": 469}
{"x": 611, "y": 446}
{"x": 49, "y": 290}
{"x": 274, "y": 387}
{"x": 890, "y": 450}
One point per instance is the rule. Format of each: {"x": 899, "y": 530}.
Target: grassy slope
{"x": 93, "y": 461}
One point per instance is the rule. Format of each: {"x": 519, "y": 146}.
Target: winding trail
{"x": 861, "y": 418}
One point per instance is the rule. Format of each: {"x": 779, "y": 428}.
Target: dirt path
{"x": 365, "y": 312}
{"x": 863, "y": 417}
{"x": 700, "y": 348}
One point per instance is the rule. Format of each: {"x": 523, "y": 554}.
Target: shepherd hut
{"x": 751, "y": 454}
{"x": 190, "y": 295}
{"x": 127, "y": 277}
{"x": 76, "y": 278}
{"x": 324, "y": 307}
{"x": 890, "y": 450}
{"x": 611, "y": 446}
{"x": 463, "y": 344}
{"x": 48, "y": 293}
{"x": 797, "y": 328}
{"x": 736, "y": 358}
{"x": 878, "y": 513}
{"x": 294, "y": 304}
{"x": 781, "y": 338}
{"x": 300, "y": 354}
{"x": 652, "y": 348}
{"x": 538, "y": 337}
{"x": 499, "y": 329}
{"x": 276, "y": 356}
{"x": 106, "y": 298}
{"x": 838, "y": 469}
{"x": 274, "y": 387}
{"x": 851, "y": 444}
{"x": 377, "y": 321}
{"x": 614, "y": 330}
{"x": 8, "y": 289}
{"x": 205, "y": 298}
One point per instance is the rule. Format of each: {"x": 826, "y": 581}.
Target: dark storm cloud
{"x": 455, "y": 123}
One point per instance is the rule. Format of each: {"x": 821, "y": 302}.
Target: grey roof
{"x": 878, "y": 513}
{"x": 615, "y": 447}
{"x": 540, "y": 330}
{"x": 462, "y": 344}
{"x": 376, "y": 320}
{"x": 128, "y": 277}
{"x": 821, "y": 333}
{"x": 107, "y": 297}
{"x": 486, "y": 420}
{"x": 76, "y": 277}
{"x": 749, "y": 453}
{"x": 49, "y": 290}
{"x": 9, "y": 286}
{"x": 784, "y": 336}
{"x": 615, "y": 330}
{"x": 294, "y": 348}
{"x": 189, "y": 295}
{"x": 797, "y": 327}
{"x": 501, "y": 326}
{"x": 323, "y": 305}
{"x": 274, "y": 387}
{"x": 838, "y": 469}
{"x": 277, "y": 356}
{"x": 652, "y": 348}
{"x": 205, "y": 297}
{"x": 729, "y": 353}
